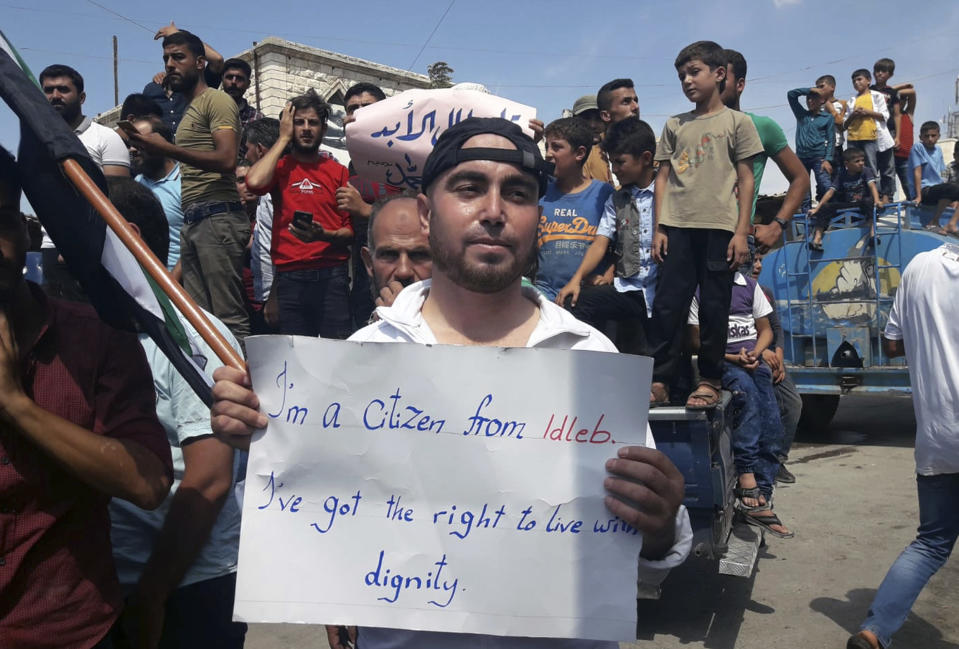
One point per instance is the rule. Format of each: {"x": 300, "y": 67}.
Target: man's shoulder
{"x": 767, "y": 127}
{"x": 214, "y": 99}
{"x": 102, "y": 134}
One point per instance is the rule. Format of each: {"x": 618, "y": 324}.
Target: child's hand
{"x": 827, "y": 167}
{"x": 570, "y": 291}
{"x": 736, "y": 254}
{"x": 660, "y": 246}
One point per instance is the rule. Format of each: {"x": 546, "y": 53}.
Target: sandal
{"x": 815, "y": 246}
{"x": 766, "y": 522}
{"x": 660, "y": 395}
{"x": 749, "y": 492}
{"x": 709, "y": 397}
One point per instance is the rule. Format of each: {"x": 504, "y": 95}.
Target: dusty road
{"x": 853, "y": 509}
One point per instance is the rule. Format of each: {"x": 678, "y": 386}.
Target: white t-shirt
{"x": 748, "y": 303}
{"x": 103, "y": 144}
{"x": 925, "y": 316}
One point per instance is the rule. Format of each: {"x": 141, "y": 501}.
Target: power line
{"x": 430, "y": 37}
{"x": 119, "y": 15}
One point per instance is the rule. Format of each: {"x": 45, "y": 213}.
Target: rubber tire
{"x": 817, "y": 411}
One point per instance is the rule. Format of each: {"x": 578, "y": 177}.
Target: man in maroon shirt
{"x": 77, "y": 426}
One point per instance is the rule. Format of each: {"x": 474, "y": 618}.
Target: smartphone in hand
{"x": 302, "y": 219}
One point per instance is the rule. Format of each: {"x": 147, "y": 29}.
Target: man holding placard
{"x": 482, "y": 182}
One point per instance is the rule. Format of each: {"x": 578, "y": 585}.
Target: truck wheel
{"x": 817, "y": 412}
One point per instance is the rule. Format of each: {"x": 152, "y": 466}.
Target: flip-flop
{"x": 935, "y": 229}
{"x": 766, "y": 522}
{"x": 711, "y": 398}
{"x": 815, "y": 246}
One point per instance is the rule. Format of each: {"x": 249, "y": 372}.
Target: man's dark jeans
{"x": 314, "y": 302}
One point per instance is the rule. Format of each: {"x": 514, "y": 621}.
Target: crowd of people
{"x": 655, "y": 243}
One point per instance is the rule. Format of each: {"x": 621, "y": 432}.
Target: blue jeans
{"x": 757, "y": 426}
{"x": 938, "y": 529}
{"x": 314, "y": 302}
{"x": 905, "y": 178}
{"x": 887, "y": 173}
{"x": 823, "y": 181}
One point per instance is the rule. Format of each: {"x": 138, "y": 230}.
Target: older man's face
{"x": 482, "y": 218}
{"x": 400, "y": 249}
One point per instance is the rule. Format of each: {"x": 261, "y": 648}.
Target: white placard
{"x": 391, "y": 139}
{"x": 440, "y": 488}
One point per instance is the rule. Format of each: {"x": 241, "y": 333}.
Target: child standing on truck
{"x": 701, "y": 220}
{"x": 627, "y": 223}
{"x": 757, "y": 430}
{"x": 815, "y": 137}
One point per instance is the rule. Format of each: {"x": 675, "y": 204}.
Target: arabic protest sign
{"x": 444, "y": 488}
{"x": 390, "y": 140}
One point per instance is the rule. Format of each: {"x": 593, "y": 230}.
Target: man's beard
{"x": 149, "y": 166}
{"x": 481, "y": 279}
{"x": 69, "y": 112}
{"x": 235, "y": 93}
{"x": 182, "y": 83}
{"x": 308, "y": 149}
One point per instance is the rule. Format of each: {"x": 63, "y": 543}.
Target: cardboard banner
{"x": 441, "y": 488}
{"x": 390, "y": 140}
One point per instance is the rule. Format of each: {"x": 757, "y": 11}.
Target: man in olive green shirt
{"x": 215, "y": 227}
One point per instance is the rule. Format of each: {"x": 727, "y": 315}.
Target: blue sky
{"x": 545, "y": 53}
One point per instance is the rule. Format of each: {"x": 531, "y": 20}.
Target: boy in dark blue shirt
{"x": 815, "y": 135}
{"x": 571, "y": 209}
{"x": 854, "y": 187}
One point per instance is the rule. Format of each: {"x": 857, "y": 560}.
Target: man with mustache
{"x": 311, "y": 236}
{"x": 215, "y": 229}
{"x": 479, "y": 205}
{"x": 398, "y": 252}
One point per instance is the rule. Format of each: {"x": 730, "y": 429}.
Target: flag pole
{"x": 152, "y": 265}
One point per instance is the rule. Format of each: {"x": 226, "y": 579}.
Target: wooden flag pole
{"x": 152, "y": 265}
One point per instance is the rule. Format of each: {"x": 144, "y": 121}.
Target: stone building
{"x": 283, "y": 69}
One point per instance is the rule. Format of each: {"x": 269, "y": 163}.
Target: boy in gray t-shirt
{"x": 705, "y": 180}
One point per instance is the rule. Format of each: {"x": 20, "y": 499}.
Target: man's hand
{"x": 538, "y": 128}
{"x": 349, "y": 200}
{"x": 286, "y": 123}
{"x": 880, "y": 204}
{"x": 646, "y": 490}
{"x": 163, "y": 32}
{"x": 235, "y": 413}
{"x": 334, "y": 635}
{"x": 150, "y": 142}
{"x": 736, "y": 253}
{"x": 895, "y": 142}
{"x": 660, "y": 245}
{"x": 271, "y": 311}
{"x": 827, "y": 167}
{"x": 312, "y": 232}
{"x": 158, "y": 79}
{"x": 142, "y": 621}
{"x": 571, "y": 291}
{"x": 10, "y": 386}
{"x": 388, "y": 293}
{"x": 766, "y": 236}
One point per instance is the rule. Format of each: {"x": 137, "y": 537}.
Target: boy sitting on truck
{"x": 854, "y": 187}
{"x": 757, "y": 429}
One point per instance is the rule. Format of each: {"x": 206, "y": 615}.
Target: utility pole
{"x": 116, "y": 83}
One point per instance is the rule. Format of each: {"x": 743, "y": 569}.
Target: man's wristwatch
{"x": 783, "y": 223}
